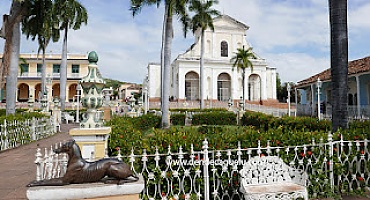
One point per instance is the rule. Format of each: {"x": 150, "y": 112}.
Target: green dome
{"x": 93, "y": 57}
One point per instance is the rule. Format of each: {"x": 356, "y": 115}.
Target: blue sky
{"x": 292, "y": 35}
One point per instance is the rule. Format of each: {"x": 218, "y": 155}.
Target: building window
{"x": 39, "y": 68}
{"x": 56, "y": 68}
{"x": 224, "y": 49}
{"x": 25, "y": 68}
{"x": 75, "y": 69}
{"x": 254, "y": 87}
{"x": 223, "y": 87}
{"x": 192, "y": 86}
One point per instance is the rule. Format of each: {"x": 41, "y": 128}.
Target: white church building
{"x": 222, "y": 81}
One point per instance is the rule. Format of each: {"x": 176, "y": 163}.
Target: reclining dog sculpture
{"x": 81, "y": 171}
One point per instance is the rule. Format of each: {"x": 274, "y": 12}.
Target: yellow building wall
{"x": 28, "y": 82}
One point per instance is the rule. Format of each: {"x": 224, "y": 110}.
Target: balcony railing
{"x": 55, "y": 75}
{"x": 326, "y": 112}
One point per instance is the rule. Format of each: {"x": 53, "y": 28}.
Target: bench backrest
{"x": 66, "y": 115}
{"x": 265, "y": 170}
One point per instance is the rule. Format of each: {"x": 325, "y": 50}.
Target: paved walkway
{"x": 17, "y": 166}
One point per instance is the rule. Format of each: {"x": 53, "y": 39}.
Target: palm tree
{"x": 39, "y": 23}
{"x": 172, "y": 7}
{"x": 202, "y": 20}
{"x": 339, "y": 63}
{"x": 68, "y": 14}
{"x": 242, "y": 61}
{"x": 11, "y": 32}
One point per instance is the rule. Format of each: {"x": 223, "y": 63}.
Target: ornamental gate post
{"x": 205, "y": 169}
{"x": 331, "y": 163}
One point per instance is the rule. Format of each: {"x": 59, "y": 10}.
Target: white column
{"x": 296, "y": 101}
{"x": 67, "y": 93}
{"x": 263, "y": 85}
{"x": 16, "y": 95}
{"x": 318, "y": 98}
{"x": 234, "y": 84}
{"x": 312, "y": 99}
{"x": 358, "y": 96}
{"x": 246, "y": 83}
{"x": 288, "y": 88}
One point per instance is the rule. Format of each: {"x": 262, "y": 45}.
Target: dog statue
{"x": 81, "y": 171}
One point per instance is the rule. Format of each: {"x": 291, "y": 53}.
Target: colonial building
{"x": 222, "y": 81}
{"x": 358, "y": 91}
{"x": 127, "y": 89}
{"x": 29, "y": 78}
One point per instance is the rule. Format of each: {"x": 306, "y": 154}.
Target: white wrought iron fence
{"x": 333, "y": 166}
{"x": 15, "y": 133}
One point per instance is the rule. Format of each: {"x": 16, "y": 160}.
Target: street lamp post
{"x": 241, "y": 104}
{"x": 296, "y": 101}
{"x": 78, "y": 103}
{"x": 288, "y": 89}
{"x": 318, "y": 97}
{"x": 230, "y": 103}
{"x": 146, "y": 95}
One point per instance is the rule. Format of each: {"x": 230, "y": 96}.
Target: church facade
{"x": 222, "y": 81}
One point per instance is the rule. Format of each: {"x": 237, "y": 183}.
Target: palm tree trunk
{"x": 202, "y": 78}
{"x": 43, "y": 74}
{"x": 166, "y": 72}
{"x": 63, "y": 72}
{"x": 12, "y": 78}
{"x": 202, "y": 74}
{"x": 243, "y": 86}
{"x": 16, "y": 14}
{"x": 162, "y": 51}
{"x": 339, "y": 63}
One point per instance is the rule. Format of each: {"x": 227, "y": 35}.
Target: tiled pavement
{"x": 17, "y": 166}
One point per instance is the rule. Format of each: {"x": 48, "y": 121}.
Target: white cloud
{"x": 294, "y": 67}
{"x": 292, "y": 36}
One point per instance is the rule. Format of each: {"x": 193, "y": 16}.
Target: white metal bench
{"x": 67, "y": 117}
{"x": 268, "y": 177}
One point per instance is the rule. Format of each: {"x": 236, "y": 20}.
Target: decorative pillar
{"x": 92, "y": 87}
{"x": 91, "y": 136}
{"x": 358, "y": 96}
{"x": 288, "y": 88}
{"x": 318, "y": 98}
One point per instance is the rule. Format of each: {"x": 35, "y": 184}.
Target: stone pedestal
{"x": 107, "y": 113}
{"x": 239, "y": 116}
{"x": 132, "y": 114}
{"x": 93, "y": 142}
{"x": 98, "y": 191}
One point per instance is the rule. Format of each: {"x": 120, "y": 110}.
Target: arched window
{"x": 191, "y": 86}
{"x": 223, "y": 87}
{"x": 254, "y": 87}
{"x": 224, "y": 49}
{"x": 23, "y": 92}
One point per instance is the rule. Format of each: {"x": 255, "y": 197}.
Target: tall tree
{"x": 339, "y": 62}
{"x": 202, "y": 19}
{"x": 68, "y": 14}
{"x": 11, "y": 32}
{"x": 39, "y": 23}
{"x": 241, "y": 61}
{"x": 172, "y": 8}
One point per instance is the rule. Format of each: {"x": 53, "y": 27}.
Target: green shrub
{"x": 199, "y": 110}
{"x": 178, "y": 119}
{"x": 214, "y": 118}
{"x": 22, "y": 116}
{"x": 146, "y": 121}
{"x": 265, "y": 122}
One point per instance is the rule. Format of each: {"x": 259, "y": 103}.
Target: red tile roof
{"x": 354, "y": 67}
